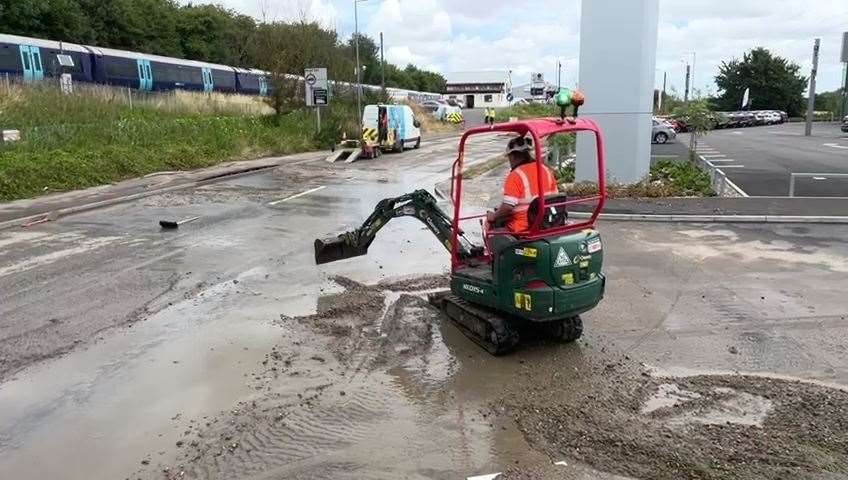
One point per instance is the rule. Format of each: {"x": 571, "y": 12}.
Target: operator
{"x": 521, "y": 187}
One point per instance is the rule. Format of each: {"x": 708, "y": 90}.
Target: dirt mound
{"x": 706, "y": 427}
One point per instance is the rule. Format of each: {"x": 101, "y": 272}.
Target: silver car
{"x": 662, "y": 132}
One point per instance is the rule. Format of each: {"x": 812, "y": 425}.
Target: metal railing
{"x": 793, "y": 176}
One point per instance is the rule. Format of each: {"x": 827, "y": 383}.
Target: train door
{"x": 208, "y": 85}
{"x": 31, "y": 62}
{"x": 37, "y": 64}
{"x": 145, "y": 79}
{"x": 263, "y": 86}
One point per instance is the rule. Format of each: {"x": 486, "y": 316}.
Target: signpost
{"x": 317, "y": 90}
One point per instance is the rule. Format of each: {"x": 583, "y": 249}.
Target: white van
{"x": 390, "y": 127}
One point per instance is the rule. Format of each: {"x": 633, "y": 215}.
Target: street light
{"x": 358, "y": 68}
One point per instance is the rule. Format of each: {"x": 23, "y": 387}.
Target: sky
{"x": 532, "y": 35}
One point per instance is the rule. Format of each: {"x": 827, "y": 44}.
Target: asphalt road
{"x": 122, "y": 346}
{"x": 760, "y": 159}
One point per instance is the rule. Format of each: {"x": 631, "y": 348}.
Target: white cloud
{"x": 531, "y": 35}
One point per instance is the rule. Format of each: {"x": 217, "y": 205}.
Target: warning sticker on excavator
{"x": 523, "y": 301}
{"x": 595, "y": 245}
{"x": 527, "y": 252}
{"x": 568, "y": 279}
{"x": 562, "y": 259}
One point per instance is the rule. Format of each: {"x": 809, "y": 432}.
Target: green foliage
{"x": 699, "y": 119}
{"x": 667, "y": 179}
{"x": 78, "y": 141}
{"x": 830, "y": 102}
{"x": 774, "y": 81}
{"x": 687, "y": 177}
{"x": 530, "y": 110}
{"x": 208, "y": 33}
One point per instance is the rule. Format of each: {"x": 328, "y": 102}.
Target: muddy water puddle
{"x": 130, "y": 397}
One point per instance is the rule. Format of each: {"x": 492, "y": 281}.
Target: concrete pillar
{"x": 618, "y": 47}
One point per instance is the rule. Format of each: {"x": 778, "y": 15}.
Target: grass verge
{"x": 96, "y": 137}
{"x": 667, "y": 179}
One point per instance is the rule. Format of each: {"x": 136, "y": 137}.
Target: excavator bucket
{"x": 337, "y": 248}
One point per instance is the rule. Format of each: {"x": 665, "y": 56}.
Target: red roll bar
{"x": 538, "y": 129}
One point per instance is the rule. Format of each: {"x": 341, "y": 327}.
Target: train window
{"x": 166, "y": 73}
{"x": 10, "y": 58}
{"x": 250, "y": 82}
{"x": 192, "y": 75}
{"x": 121, "y": 67}
{"x": 26, "y": 62}
{"x": 36, "y": 61}
{"x": 223, "y": 80}
{"x": 78, "y": 62}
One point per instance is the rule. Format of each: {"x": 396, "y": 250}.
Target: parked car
{"x": 845, "y": 124}
{"x": 429, "y": 105}
{"x": 784, "y": 117}
{"x": 662, "y": 132}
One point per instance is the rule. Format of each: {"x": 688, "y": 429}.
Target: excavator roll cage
{"x": 423, "y": 206}
{"x": 538, "y": 129}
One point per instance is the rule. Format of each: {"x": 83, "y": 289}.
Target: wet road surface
{"x": 220, "y": 350}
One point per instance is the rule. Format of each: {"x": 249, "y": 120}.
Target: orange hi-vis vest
{"x": 521, "y": 187}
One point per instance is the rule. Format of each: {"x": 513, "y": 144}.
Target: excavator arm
{"x": 419, "y": 204}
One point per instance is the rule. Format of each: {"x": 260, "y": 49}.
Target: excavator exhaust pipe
{"x": 335, "y": 249}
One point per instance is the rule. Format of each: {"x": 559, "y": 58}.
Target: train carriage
{"x": 154, "y": 72}
{"x": 32, "y": 59}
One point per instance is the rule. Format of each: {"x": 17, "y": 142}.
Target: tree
{"x": 775, "y": 82}
{"x": 699, "y": 120}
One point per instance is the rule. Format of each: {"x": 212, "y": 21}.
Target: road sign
{"x": 317, "y": 87}
{"x": 509, "y": 97}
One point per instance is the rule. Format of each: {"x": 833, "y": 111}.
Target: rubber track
{"x": 478, "y": 324}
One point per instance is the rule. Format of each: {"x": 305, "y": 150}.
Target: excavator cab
{"x": 542, "y": 278}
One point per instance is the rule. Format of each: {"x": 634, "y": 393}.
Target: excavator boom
{"x": 419, "y": 204}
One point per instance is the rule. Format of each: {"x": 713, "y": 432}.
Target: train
{"x": 34, "y": 59}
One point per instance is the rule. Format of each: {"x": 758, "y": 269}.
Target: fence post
{"x": 129, "y": 95}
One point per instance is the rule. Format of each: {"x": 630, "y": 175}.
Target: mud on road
{"x": 355, "y": 389}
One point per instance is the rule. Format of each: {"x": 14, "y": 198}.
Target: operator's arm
{"x": 501, "y": 215}
{"x": 513, "y": 190}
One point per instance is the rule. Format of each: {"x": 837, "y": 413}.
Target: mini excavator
{"x": 544, "y": 278}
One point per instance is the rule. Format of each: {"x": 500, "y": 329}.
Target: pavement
{"x": 220, "y": 350}
{"x": 760, "y": 160}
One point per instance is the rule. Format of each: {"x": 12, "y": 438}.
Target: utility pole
{"x": 688, "y": 78}
{"x": 662, "y": 94}
{"x": 694, "y": 57}
{"x": 559, "y": 75}
{"x": 811, "y": 104}
{"x": 382, "y": 65}
{"x": 358, "y": 68}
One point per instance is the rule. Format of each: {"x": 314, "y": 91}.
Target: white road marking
{"x": 819, "y": 178}
{"x": 721, "y": 160}
{"x": 298, "y": 195}
{"x": 835, "y": 145}
{"x": 715, "y": 155}
{"x": 46, "y": 259}
{"x": 738, "y": 133}
{"x": 733, "y": 166}
{"x": 492, "y": 476}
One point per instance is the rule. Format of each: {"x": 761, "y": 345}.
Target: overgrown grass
{"x": 529, "y": 110}
{"x": 667, "y": 179}
{"x": 95, "y": 137}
